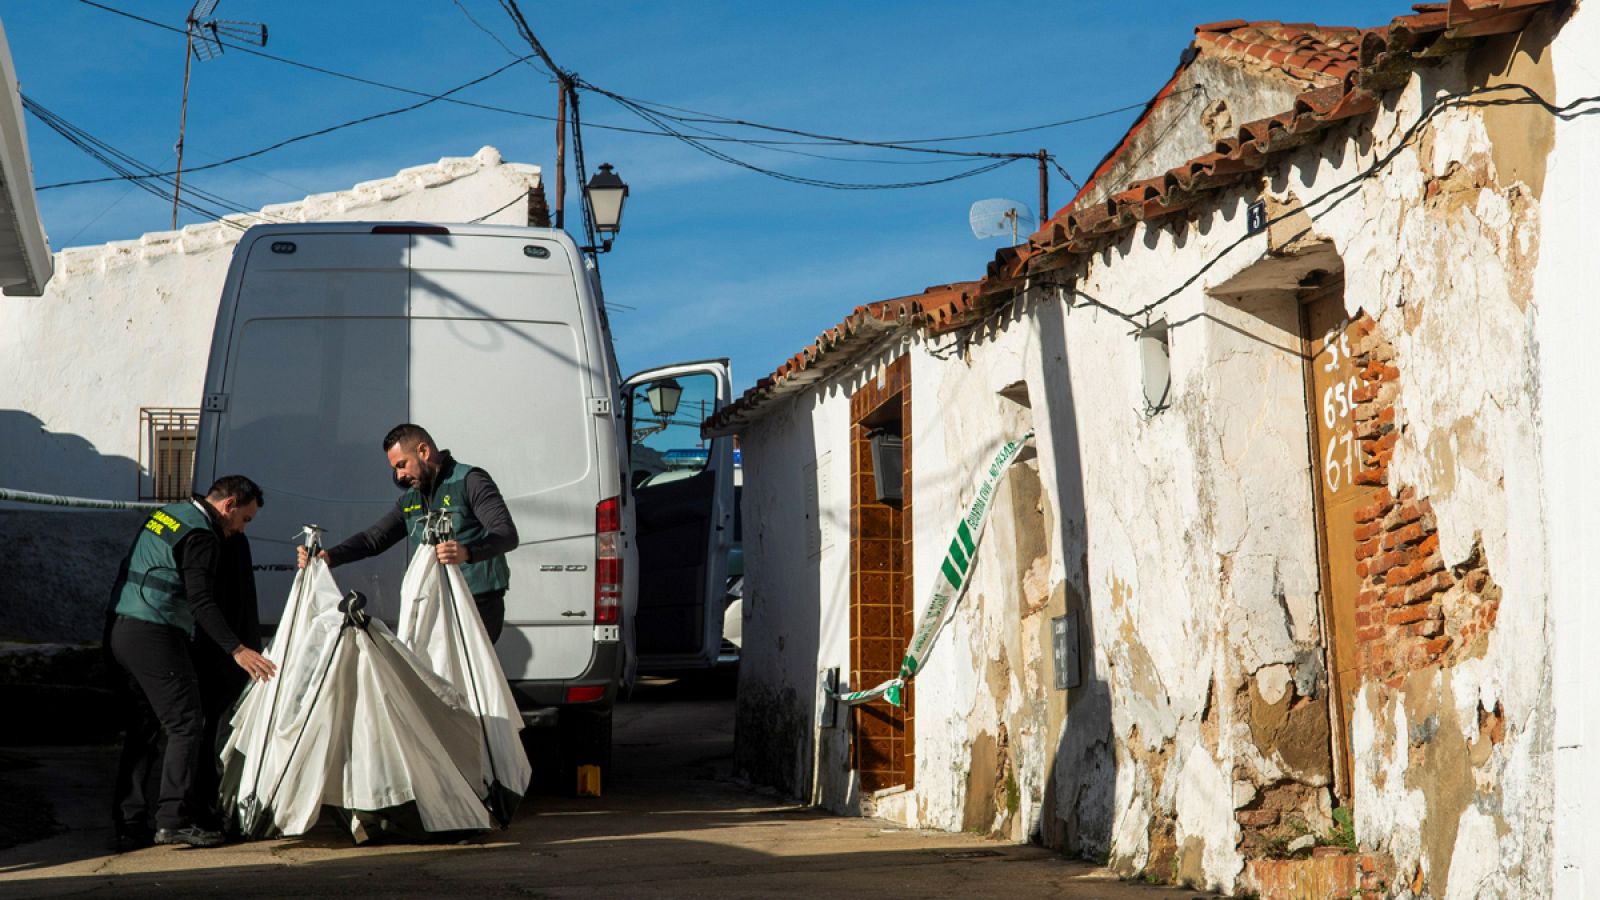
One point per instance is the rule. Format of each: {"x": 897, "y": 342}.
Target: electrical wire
{"x": 299, "y": 137}
{"x": 635, "y": 104}
{"x": 502, "y": 209}
{"x": 1140, "y": 319}
{"x": 139, "y": 174}
{"x": 715, "y": 153}
{"x": 358, "y": 79}
{"x": 486, "y": 30}
{"x": 1347, "y": 188}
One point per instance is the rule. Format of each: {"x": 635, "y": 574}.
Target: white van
{"x": 494, "y": 339}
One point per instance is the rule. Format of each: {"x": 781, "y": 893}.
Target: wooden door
{"x": 883, "y": 737}
{"x": 1332, "y": 378}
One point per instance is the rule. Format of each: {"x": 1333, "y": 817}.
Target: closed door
{"x": 1332, "y": 381}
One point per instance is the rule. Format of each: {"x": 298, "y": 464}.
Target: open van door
{"x": 682, "y": 487}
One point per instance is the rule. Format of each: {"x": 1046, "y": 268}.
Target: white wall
{"x": 797, "y": 601}
{"x": 128, "y": 324}
{"x": 1568, "y": 331}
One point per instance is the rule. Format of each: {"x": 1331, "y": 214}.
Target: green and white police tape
{"x": 72, "y": 502}
{"x": 950, "y": 584}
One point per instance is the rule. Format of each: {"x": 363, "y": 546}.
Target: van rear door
{"x": 313, "y": 377}
{"x": 500, "y": 375}
{"x": 683, "y": 491}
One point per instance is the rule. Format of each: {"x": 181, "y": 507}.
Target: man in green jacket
{"x": 435, "y": 482}
{"x": 167, "y": 586}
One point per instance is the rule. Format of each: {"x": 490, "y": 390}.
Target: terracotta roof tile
{"x": 1350, "y": 68}
{"x": 843, "y": 343}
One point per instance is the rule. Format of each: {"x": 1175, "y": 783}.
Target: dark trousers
{"x": 492, "y": 610}
{"x": 166, "y": 701}
{"x": 221, "y": 684}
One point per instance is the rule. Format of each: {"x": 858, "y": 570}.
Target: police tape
{"x": 72, "y": 502}
{"x": 948, "y": 587}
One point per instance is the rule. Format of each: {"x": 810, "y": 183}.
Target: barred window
{"x": 167, "y": 441}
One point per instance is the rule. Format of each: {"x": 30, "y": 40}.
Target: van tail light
{"x": 586, "y": 693}
{"x": 608, "y": 562}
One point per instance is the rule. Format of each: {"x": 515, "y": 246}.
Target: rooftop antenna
{"x": 203, "y": 39}
{"x": 999, "y": 217}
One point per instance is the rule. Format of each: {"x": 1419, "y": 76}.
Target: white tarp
{"x": 356, "y": 721}
{"x": 439, "y": 623}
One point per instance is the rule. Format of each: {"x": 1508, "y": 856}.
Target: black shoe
{"x": 126, "y": 840}
{"x": 194, "y": 836}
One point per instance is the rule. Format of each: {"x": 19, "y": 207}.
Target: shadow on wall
{"x": 57, "y": 569}
{"x": 774, "y": 739}
{"x": 46, "y": 462}
{"x": 1078, "y": 812}
{"x": 58, "y": 564}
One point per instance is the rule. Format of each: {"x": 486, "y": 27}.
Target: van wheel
{"x": 585, "y": 738}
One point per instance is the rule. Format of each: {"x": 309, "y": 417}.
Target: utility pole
{"x": 1044, "y": 189}
{"x": 561, "y": 155}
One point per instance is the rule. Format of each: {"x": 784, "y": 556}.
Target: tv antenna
{"x": 1000, "y": 217}
{"x": 203, "y": 39}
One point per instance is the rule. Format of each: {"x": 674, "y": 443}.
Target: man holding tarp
{"x": 435, "y": 482}
{"x": 166, "y": 586}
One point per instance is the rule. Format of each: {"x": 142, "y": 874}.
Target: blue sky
{"x": 713, "y": 260}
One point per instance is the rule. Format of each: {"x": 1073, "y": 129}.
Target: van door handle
{"x": 575, "y": 612}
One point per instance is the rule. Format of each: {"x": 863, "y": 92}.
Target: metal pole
{"x": 1044, "y": 189}
{"x": 561, "y": 157}
{"x": 183, "y": 116}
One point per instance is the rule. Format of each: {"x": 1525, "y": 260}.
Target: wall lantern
{"x": 663, "y": 397}
{"x": 606, "y": 195}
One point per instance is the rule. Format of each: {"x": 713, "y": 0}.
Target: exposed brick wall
{"x": 1327, "y": 873}
{"x": 1279, "y": 813}
{"x": 1413, "y": 610}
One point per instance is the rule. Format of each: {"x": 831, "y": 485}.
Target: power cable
{"x": 358, "y": 79}
{"x": 502, "y": 209}
{"x": 488, "y": 31}
{"x": 635, "y": 104}
{"x": 1530, "y": 97}
{"x": 132, "y": 170}
{"x": 299, "y": 137}
{"x": 713, "y": 152}
{"x": 714, "y": 118}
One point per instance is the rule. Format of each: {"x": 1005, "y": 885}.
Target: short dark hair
{"x": 408, "y": 436}
{"x": 241, "y": 489}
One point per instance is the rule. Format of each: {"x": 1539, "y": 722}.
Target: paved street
{"x": 670, "y": 825}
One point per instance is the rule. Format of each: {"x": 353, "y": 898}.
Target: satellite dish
{"x": 1001, "y": 218}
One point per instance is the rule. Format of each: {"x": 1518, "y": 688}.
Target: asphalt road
{"x": 670, "y": 824}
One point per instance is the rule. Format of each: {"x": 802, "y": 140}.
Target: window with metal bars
{"x": 167, "y": 441}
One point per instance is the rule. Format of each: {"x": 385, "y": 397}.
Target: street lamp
{"x": 606, "y": 195}
{"x": 663, "y": 397}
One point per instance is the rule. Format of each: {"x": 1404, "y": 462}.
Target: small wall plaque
{"x": 1256, "y": 220}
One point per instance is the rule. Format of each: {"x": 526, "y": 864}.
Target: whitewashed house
{"x": 1303, "y": 537}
